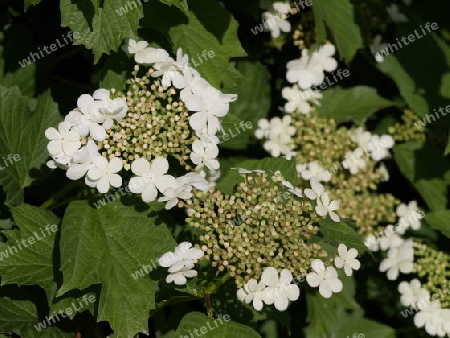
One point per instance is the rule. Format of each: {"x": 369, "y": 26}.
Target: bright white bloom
{"x": 316, "y": 189}
{"x": 395, "y": 14}
{"x": 209, "y": 106}
{"x": 252, "y": 291}
{"x": 172, "y": 71}
{"x": 409, "y": 216}
{"x": 195, "y": 180}
{"x": 295, "y": 191}
{"x": 390, "y": 240}
{"x": 305, "y": 72}
{"x": 399, "y": 260}
{"x": 181, "y": 262}
{"x": 298, "y": 100}
{"x": 263, "y": 129}
{"x": 150, "y": 178}
{"x": 372, "y": 243}
{"x": 354, "y": 161}
{"x": 314, "y": 169}
{"x": 111, "y": 109}
{"x": 325, "y": 206}
{"x": 277, "y": 22}
{"x": 279, "y": 290}
{"x": 83, "y": 161}
{"x": 63, "y": 142}
{"x": 412, "y": 292}
{"x": 205, "y": 155}
{"x": 376, "y": 47}
{"x": 104, "y": 174}
{"x": 379, "y": 146}
{"x": 361, "y": 137}
{"x": 324, "y": 57}
{"x": 279, "y": 134}
{"x": 325, "y": 278}
{"x": 442, "y": 323}
{"x": 426, "y": 317}
{"x": 173, "y": 194}
{"x": 143, "y": 53}
{"x": 347, "y": 259}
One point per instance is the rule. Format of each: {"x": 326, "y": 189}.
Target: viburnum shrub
{"x": 204, "y": 168}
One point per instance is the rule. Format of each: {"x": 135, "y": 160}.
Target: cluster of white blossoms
{"x": 313, "y": 170}
{"x": 280, "y": 289}
{"x": 324, "y": 204}
{"x": 304, "y": 73}
{"x": 326, "y": 278}
{"x": 100, "y": 120}
{"x": 429, "y": 313}
{"x": 180, "y": 263}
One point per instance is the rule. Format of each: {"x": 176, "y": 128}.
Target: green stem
{"x": 72, "y": 185}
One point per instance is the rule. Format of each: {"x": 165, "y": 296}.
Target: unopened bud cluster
{"x": 260, "y": 225}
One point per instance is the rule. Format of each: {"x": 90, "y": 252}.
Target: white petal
{"x": 270, "y": 277}
{"x": 140, "y": 167}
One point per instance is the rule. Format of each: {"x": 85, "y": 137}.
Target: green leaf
{"x": 108, "y": 246}
{"x": 413, "y": 159}
{"x": 445, "y": 85}
{"x": 439, "y": 220}
{"x": 28, "y": 3}
{"x": 338, "y": 15}
{"x": 362, "y": 327}
{"x": 27, "y": 257}
{"x": 221, "y": 327}
{"x": 195, "y": 39}
{"x": 114, "y": 72}
{"x": 270, "y": 164}
{"x": 22, "y": 127}
{"x": 22, "y": 316}
{"x": 342, "y": 233}
{"x": 356, "y": 103}
{"x": 253, "y": 102}
{"x": 24, "y": 78}
{"x": 406, "y": 85}
{"x": 101, "y": 29}
{"x": 447, "y": 147}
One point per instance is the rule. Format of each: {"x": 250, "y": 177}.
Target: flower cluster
{"x": 180, "y": 263}
{"x": 168, "y": 112}
{"x": 275, "y": 18}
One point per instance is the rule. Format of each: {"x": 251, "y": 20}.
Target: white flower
{"x": 347, "y": 259}
{"x": 314, "y": 169}
{"x": 252, "y": 291}
{"x": 173, "y": 194}
{"x": 361, "y": 137}
{"x": 209, "y": 106}
{"x": 295, "y": 191}
{"x": 279, "y": 134}
{"x": 263, "y": 129}
{"x": 195, "y": 180}
{"x": 62, "y": 141}
{"x": 143, "y": 53}
{"x": 442, "y": 322}
{"x": 83, "y": 161}
{"x": 298, "y": 100}
{"x": 408, "y": 217}
{"x": 172, "y": 71}
{"x": 384, "y": 172}
{"x": 379, "y": 146}
{"x": 325, "y": 278}
{"x": 279, "y": 290}
{"x": 305, "y": 72}
{"x": 325, "y": 206}
{"x": 399, "y": 260}
{"x": 111, "y": 109}
{"x": 324, "y": 57}
{"x": 390, "y": 240}
{"x": 180, "y": 262}
{"x": 276, "y": 23}
{"x": 205, "y": 155}
{"x": 395, "y": 14}
{"x": 354, "y": 161}
{"x": 412, "y": 292}
{"x": 376, "y": 47}
{"x": 104, "y": 174}
{"x": 316, "y": 191}
{"x": 372, "y": 243}
{"x": 426, "y": 317}
{"x": 150, "y": 177}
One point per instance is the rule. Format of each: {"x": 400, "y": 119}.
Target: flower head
{"x": 325, "y": 278}
{"x": 347, "y": 259}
